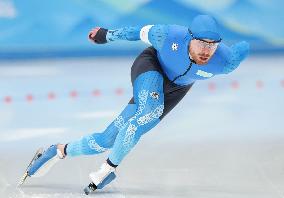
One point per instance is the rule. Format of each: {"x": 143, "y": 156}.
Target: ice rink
{"x": 224, "y": 140}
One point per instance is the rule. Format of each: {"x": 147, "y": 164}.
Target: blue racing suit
{"x": 161, "y": 76}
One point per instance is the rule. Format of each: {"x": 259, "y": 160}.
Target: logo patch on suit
{"x": 204, "y": 74}
{"x": 154, "y": 95}
{"x": 174, "y": 46}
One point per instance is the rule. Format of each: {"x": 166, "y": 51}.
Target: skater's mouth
{"x": 203, "y": 58}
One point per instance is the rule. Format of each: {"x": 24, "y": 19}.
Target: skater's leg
{"x": 91, "y": 144}
{"x": 149, "y": 97}
{"x": 99, "y": 142}
{"x": 155, "y": 96}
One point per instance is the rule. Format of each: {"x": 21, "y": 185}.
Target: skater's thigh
{"x": 146, "y": 61}
{"x": 147, "y": 78}
{"x": 149, "y": 98}
{"x": 173, "y": 95}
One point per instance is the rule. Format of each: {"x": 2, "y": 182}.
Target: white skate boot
{"x": 100, "y": 178}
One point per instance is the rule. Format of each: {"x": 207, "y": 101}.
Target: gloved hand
{"x": 98, "y": 35}
{"x": 239, "y": 52}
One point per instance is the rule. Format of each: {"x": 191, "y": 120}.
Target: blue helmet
{"x": 204, "y": 27}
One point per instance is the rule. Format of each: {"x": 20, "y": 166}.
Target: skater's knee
{"x": 143, "y": 123}
{"x": 98, "y": 143}
{"x": 151, "y": 104}
{"x": 151, "y": 113}
{"x": 105, "y": 139}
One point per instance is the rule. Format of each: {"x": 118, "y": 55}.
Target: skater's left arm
{"x": 154, "y": 35}
{"x": 101, "y": 35}
{"x": 234, "y": 55}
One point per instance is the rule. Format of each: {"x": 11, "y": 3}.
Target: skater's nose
{"x": 206, "y": 50}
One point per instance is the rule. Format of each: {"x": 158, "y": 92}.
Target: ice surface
{"x": 216, "y": 143}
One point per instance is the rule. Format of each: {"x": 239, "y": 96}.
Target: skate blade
{"x": 90, "y": 188}
{"x": 26, "y": 174}
{"x": 23, "y": 179}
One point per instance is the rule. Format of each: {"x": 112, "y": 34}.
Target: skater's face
{"x": 202, "y": 50}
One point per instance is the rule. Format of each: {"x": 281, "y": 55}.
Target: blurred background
{"x": 225, "y": 138}
{"x": 52, "y": 28}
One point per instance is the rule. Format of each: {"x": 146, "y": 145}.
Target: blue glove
{"x": 239, "y": 52}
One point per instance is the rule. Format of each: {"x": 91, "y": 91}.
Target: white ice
{"x": 225, "y": 143}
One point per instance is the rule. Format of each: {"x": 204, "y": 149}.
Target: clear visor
{"x": 207, "y": 44}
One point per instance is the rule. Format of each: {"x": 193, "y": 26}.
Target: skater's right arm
{"x": 154, "y": 35}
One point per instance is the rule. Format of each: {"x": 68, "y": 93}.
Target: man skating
{"x": 161, "y": 76}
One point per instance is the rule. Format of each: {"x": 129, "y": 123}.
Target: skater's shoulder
{"x": 178, "y": 29}
{"x": 168, "y": 29}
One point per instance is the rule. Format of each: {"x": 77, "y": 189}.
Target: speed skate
{"x": 26, "y": 174}
{"x": 93, "y": 187}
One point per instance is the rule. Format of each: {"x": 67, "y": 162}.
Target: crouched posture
{"x": 161, "y": 76}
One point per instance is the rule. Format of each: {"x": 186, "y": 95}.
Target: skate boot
{"x": 42, "y": 162}
{"x": 100, "y": 178}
